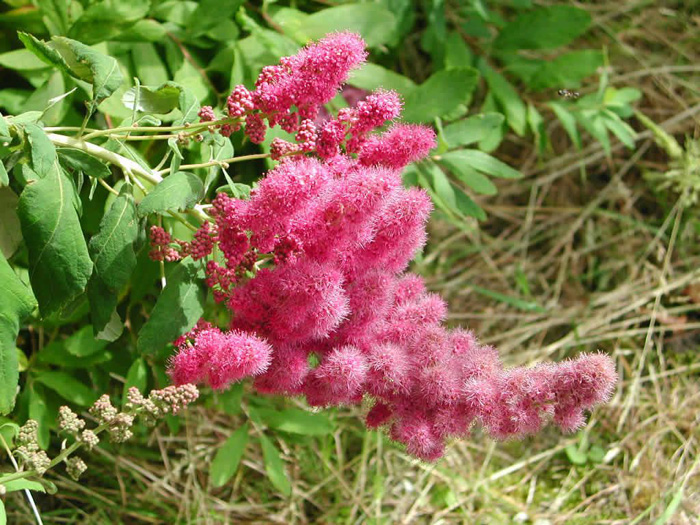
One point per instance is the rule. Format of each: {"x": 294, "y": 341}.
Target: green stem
{"x": 224, "y": 162}
{"x": 159, "y": 129}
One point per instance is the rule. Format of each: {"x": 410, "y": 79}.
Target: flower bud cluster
{"x": 340, "y": 230}
{"x": 28, "y": 450}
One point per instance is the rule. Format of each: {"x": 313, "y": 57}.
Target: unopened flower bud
{"x": 68, "y": 421}
{"x": 75, "y": 466}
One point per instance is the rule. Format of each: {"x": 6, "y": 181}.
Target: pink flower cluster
{"x": 313, "y": 268}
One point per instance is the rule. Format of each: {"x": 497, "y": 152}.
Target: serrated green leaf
{"x": 179, "y": 306}
{"x": 178, "y": 191}
{"x": 78, "y": 160}
{"x": 480, "y": 161}
{"x": 107, "y": 18}
{"x": 440, "y": 94}
{"x": 374, "y": 22}
{"x": 112, "y": 248}
{"x": 296, "y": 421}
{"x": 568, "y": 122}
{"x": 228, "y": 457}
{"x": 274, "y": 466}
{"x": 507, "y": 97}
{"x": 472, "y": 129}
{"x": 67, "y": 387}
{"x": 543, "y": 28}
{"x": 10, "y": 230}
{"x": 81, "y": 62}
{"x": 17, "y": 303}
{"x": 59, "y": 263}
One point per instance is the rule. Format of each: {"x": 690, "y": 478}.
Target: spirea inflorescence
{"x": 336, "y": 230}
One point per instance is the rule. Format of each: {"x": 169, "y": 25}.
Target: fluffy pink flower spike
{"x": 314, "y": 264}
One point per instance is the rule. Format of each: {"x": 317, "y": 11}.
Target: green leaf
{"x": 105, "y": 19}
{"x": 480, "y": 161}
{"x": 81, "y": 62}
{"x": 67, "y": 387}
{"x": 567, "y": 70}
{"x": 619, "y": 128}
{"x": 150, "y": 69}
{"x": 672, "y": 507}
{"x": 468, "y": 207}
{"x": 10, "y": 230}
{"x": 39, "y": 412}
{"x": 112, "y": 248}
{"x": 543, "y": 28}
{"x": 178, "y": 191}
{"x": 21, "y": 60}
{"x": 371, "y": 76}
{"x": 17, "y": 303}
{"x": 536, "y": 123}
{"x": 440, "y": 94}
{"x": 59, "y": 263}
{"x": 81, "y": 162}
{"x": 228, "y": 457}
{"x": 576, "y": 456}
{"x": 161, "y": 100}
{"x": 568, "y": 122}
{"x": 4, "y": 177}
{"x": 527, "y": 306}
{"x": 103, "y": 309}
{"x": 4, "y": 130}
{"x": 230, "y": 400}
{"x": 274, "y": 466}
{"x": 472, "y": 178}
{"x": 21, "y": 484}
{"x": 56, "y": 14}
{"x": 56, "y": 353}
{"x": 179, "y": 306}
{"x": 472, "y": 129}
{"x": 209, "y": 14}
{"x": 83, "y": 344}
{"x": 374, "y": 22}
{"x": 593, "y": 122}
{"x": 507, "y": 98}
{"x": 137, "y": 376}
{"x": 296, "y": 421}
{"x": 42, "y": 150}
{"x": 3, "y": 514}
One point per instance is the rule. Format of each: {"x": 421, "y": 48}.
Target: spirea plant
{"x": 309, "y": 271}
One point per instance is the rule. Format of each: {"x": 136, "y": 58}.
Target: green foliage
{"x": 228, "y": 457}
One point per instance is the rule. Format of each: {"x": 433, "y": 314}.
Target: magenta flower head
{"x": 219, "y": 358}
{"x": 310, "y": 78}
{"x": 314, "y": 265}
{"x": 398, "y": 147}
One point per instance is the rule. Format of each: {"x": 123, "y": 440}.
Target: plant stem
{"x": 224, "y": 162}
{"x": 160, "y": 129}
